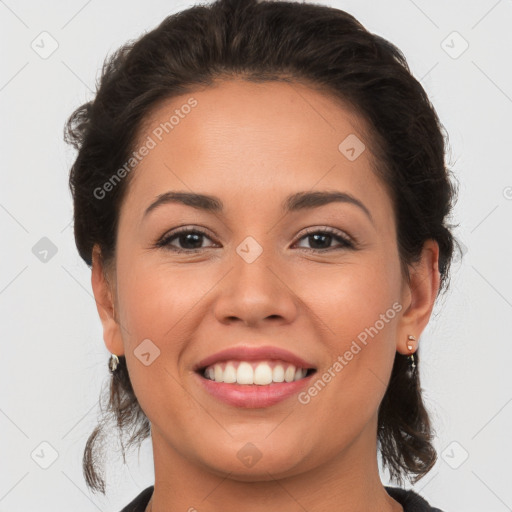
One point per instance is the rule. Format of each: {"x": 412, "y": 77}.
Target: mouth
{"x": 254, "y": 373}
{"x": 245, "y": 376}
{"x": 253, "y": 384}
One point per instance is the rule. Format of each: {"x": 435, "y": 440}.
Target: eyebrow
{"x": 293, "y": 203}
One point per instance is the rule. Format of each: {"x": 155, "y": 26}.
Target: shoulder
{"x": 140, "y": 502}
{"x": 410, "y": 500}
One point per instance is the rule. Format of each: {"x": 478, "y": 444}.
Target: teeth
{"x": 260, "y": 373}
{"x": 278, "y": 373}
{"x": 263, "y": 374}
{"x": 289, "y": 374}
{"x": 229, "y": 373}
{"x": 244, "y": 374}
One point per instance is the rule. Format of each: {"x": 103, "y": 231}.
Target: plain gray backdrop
{"x": 54, "y": 362}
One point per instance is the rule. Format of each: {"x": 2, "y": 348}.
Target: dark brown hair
{"x": 263, "y": 41}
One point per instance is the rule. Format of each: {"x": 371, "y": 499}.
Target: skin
{"x": 252, "y": 145}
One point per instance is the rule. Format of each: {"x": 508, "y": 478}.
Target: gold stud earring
{"x": 113, "y": 363}
{"x": 412, "y": 363}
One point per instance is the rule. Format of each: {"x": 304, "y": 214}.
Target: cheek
{"x": 156, "y": 299}
{"x": 360, "y": 313}
{"x": 157, "y": 303}
{"x": 352, "y": 296}
{"x": 358, "y": 329}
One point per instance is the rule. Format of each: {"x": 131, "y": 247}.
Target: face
{"x": 321, "y": 280}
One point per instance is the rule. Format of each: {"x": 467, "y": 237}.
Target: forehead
{"x": 254, "y": 141}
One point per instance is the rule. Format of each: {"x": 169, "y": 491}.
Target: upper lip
{"x": 248, "y": 353}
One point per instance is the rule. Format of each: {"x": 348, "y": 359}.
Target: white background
{"x": 53, "y": 362}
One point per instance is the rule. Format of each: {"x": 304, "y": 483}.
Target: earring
{"x": 412, "y": 363}
{"x": 113, "y": 362}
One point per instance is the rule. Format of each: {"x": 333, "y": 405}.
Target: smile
{"x": 251, "y": 385}
{"x": 259, "y": 373}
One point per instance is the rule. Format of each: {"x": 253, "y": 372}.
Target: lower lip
{"x": 253, "y": 396}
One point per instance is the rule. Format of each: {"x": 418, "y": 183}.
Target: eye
{"x": 322, "y": 238}
{"x": 190, "y": 239}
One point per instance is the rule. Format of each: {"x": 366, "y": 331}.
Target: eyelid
{"x": 327, "y": 229}
{"x": 163, "y": 241}
{"x": 345, "y": 241}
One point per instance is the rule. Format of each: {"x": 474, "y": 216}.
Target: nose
{"x": 256, "y": 292}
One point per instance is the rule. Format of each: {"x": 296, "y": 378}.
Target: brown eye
{"x": 321, "y": 240}
{"x": 189, "y": 240}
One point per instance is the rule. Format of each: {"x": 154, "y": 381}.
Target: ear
{"x": 104, "y": 297}
{"x": 419, "y": 295}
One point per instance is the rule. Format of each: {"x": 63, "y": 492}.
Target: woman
{"x": 261, "y": 193}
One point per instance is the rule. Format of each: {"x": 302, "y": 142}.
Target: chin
{"x": 257, "y": 461}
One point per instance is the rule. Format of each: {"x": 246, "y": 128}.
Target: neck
{"x": 348, "y": 482}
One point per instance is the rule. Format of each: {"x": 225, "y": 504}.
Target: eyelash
{"x": 346, "y": 243}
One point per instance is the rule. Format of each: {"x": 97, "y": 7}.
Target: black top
{"x": 411, "y": 501}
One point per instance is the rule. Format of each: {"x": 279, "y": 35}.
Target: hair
{"x": 263, "y": 41}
